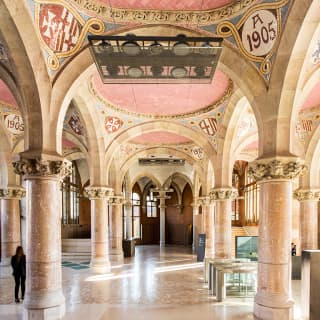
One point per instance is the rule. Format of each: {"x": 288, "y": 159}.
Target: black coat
{"x": 19, "y": 267}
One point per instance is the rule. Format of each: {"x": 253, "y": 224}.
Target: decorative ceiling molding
{"x": 150, "y": 16}
{"x": 201, "y": 111}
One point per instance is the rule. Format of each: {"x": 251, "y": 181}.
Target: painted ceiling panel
{"x": 313, "y": 99}
{"x": 167, "y": 4}
{"x": 160, "y": 137}
{"x": 6, "y": 96}
{"x": 162, "y": 99}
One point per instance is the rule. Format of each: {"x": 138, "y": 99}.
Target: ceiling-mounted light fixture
{"x": 143, "y": 59}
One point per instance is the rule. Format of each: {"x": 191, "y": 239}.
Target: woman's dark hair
{"x": 19, "y": 251}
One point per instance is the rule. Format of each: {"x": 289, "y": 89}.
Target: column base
{"x": 44, "y": 306}
{"x": 116, "y": 256}
{"x": 100, "y": 265}
{"x": 272, "y": 310}
{"x": 56, "y": 312}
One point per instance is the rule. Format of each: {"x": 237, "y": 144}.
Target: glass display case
{"x": 247, "y": 247}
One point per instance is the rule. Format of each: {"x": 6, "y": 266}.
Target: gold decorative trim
{"x": 43, "y": 167}
{"x": 12, "y": 193}
{"x": 92, "y": 25}
{"x": 98, "y": 192}
{"x": 226, "y": 29}
{"x": 151, "y": 16}
{"x": 307, "y": 194}
{"x": 277, "y": 168}
{"x": 223, "y": 194}
{"x": 226, "y": 95}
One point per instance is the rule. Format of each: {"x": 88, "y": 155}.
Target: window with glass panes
{"x": 151, "y": 204}
{"x": 136, "y": 215}
{"x": 70, "y": 197}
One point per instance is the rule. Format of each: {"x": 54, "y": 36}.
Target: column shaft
{"x": 273, "y": 299}
{"x": 99, "y": 236}
{"x": 309, "y": 224}
{"x": 223, "y": 230}
{"x": 44, "y": 297}
{"x": 162, "y": 221}
{"x": 209, "y": 230}
{"x": 128, "y": 215}
{"x": 10, "y": 233}
{"x": 116, "y": 237}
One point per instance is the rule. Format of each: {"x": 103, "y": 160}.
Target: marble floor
{"x": 155, "y": 284}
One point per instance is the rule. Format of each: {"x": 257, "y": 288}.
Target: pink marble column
{"x": 223, "y": 198}
{"x": 162, "y": 196}
{"x": 273, "y": 299}
{"x": 116, "y": 235}
{"x": 208, "y": 224}
{"x": 10, "y": 226}
{"x": 195, "y": 229}
{"x": 99, "y": 197}
{"x": 309, "y": 200}
{"x": 44, "y": 298}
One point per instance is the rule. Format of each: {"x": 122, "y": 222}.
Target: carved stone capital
{"x": 223, "y": 194}
{"x": 307, "y": 194}
{"x": 204, "y": 201}
{"x": 116, "y": 200}
{"x": 98, "y": 192}
{"x": 277, "y": 168}
{"x": 43, "y": 167}
{"x": 12, "y": 193}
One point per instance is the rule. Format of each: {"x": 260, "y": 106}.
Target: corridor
{"x": 156, "y": 284}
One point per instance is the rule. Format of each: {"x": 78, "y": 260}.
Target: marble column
{"x": 128, "y": 215}
{"x": 208, "y": 225}
{"x": 99, "y": 197}
{"x": 195, "y": 230}
{"x": 162, "y": 196}
{"x": 116, "y": 234}
{"x": 309, "y": 200}
{"x": 10, "y": 226}
{"x": 44, "y": 298}
{"x": 223, "y": 197}
{"x": 274, "y": 175}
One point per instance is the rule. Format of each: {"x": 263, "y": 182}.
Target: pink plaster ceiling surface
{"x": 160, "y": 137}
{"x": 313, "y": 100}
{"x": 252, "y": 146}
{"x": 67, "y": 144}
{"x": 166, "y": 4}
{"x": 6, "y": 96}
{"x": 163, "y": 99}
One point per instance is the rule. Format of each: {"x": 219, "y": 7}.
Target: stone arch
{"x": 289, "y": 60}
{"x": 312, "y": 177}
{"x": 7, "y": 175}
{"x": 149, "y": 175}
{"x": 30, "y": 72}
{"x": 95, "y": 142}
{"x": 77, "y": 71}
{"x": 160, "y": 125}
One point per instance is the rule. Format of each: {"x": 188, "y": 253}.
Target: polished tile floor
{"x": 156, "y": 284}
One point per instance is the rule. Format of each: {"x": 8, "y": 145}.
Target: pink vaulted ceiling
{"x": 160, "y": 137}
{"x": 166, "y": 4}
{"x": 6, "y": 96}
{"x": 313, "y": 99}
{"x": 163, "y": 99}
{"x": 66, "y": 143}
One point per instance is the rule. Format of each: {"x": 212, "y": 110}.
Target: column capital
{"x": 204, "y": 201}
{"x": 116, "y": 200}
{"x": 12, "y": 192}
{"x": 277, "y": 168}
{"x": 307, "y": 194}
{"x": 98, "y": 192}
{"x": 43, "y": 166}
{"x": 217, "y": 194}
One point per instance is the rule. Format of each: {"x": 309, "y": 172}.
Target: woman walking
{"x": 18, "y": 263}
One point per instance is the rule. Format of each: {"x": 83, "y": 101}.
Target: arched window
{"x": 135, "y": 199}
{"x": 151, "y": 205}
{"x": 70, "y": 197}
